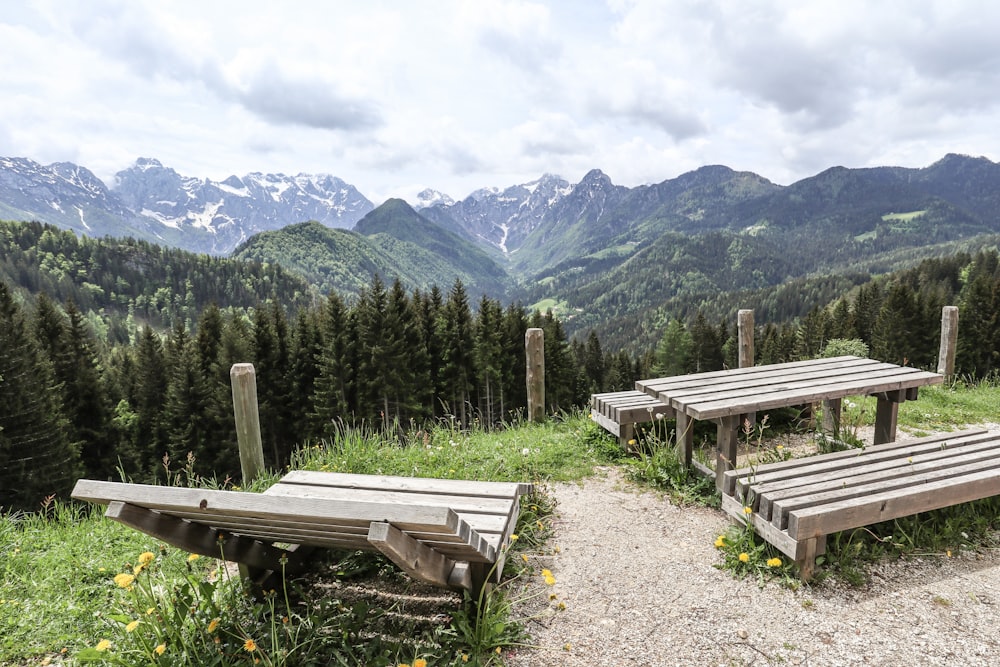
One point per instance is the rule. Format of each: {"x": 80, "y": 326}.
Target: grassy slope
{"x": 57, "y": 569}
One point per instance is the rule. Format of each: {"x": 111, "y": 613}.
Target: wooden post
{"x": 244, "y": 381}
{"x": 745, "y": 331}
{"x": 534, "y": 352}
{"x": 949, "y": 341}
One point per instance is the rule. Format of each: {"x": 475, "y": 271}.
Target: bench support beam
{"x": 416, "y": 559}
{"x": 204, "y": 541}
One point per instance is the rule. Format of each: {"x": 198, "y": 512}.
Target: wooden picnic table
{"x": 725, "y": 396}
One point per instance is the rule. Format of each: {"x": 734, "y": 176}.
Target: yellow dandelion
{"x": 249, "y": 646}
{"x": 774, "y": 562}
{"x": 419, "y": 662}
{"x": 748, "y": 510}
{"x": 137, "y": 569}
{"x": 159, "y": 650}
{"x": 632, "y": 441}
{"x": 541, "y": 526}
{"x": 146, "y": 557}
{"x": 149, "y": 612}
{"x": 524, "y": 557}
{"x": 513, "y": 537}
{"x": 948, "y": 553}
{"x": 553, "y": 596}
{"x": 744, "y": 557}
{"x": 124, "y": 580}
{"x": 567, "y": 647}
{"x": 213, "y": 625}
{"x": 561, "y": 606}
{"x": 193, "y": 557}
{"x": 720, "y": 541}
{"x": 103, "y": 645}
{"x": 497, "y": 650}
{"x": 131, "y": 626}
{"x": 465, "y": 657}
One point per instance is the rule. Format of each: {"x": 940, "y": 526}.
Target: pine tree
{"x": 673, "y": 353}
{"x": 488, "y": 330}
{"x": 457, "y": 354}
{"x": 150, "y": 444}
{"x": 594, "y": 368}
{"x": 37, "y": 457}
{"x": 330, "y": 401}
{"x": 86, "y": 399}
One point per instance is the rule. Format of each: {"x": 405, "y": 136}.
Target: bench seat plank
{"x": 797, "y": 503}
{"x": 429, "y": 527}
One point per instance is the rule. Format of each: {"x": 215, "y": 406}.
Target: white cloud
{"x": 459, "y": 95}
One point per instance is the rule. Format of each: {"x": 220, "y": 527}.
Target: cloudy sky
{"x": 397, "y": 96}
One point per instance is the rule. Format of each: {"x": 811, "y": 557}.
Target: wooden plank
{"x": 607, "y": 424}
{"x": 756, "y": 380}
{"x": 836, "y": 465}
{"x": 428, "y": 485}
{"x": 417, "y": 560}
{"x": 857, "y": 512}
{"x": 738, "y": 401}
{"x": 771, "y": 381}
{"x": 459, "y": 503}
{"x": 202, "y": 540}
{"x": 655, "y": 385}
{"x": 929, "y": 472}
{"x": 780, "y": 539}
{"x": 172, "y": 500}
{"x": 984, "y": 454}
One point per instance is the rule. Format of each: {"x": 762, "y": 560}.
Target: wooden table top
{"x": 742, "y": 390}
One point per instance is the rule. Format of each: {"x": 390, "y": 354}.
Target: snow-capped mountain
{"x": 503, "y": 218}
{"x": 237, "y": 208}
{"x": 68, "y": 196}
{"x": 156, "y": 203}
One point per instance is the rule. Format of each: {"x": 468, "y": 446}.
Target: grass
{"x": 58, "y": 599}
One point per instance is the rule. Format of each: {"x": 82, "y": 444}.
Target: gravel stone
{"x": 638, "y": 577}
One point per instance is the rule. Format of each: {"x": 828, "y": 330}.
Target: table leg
{"x": 831, "y": 417}
{"x": 685, "y": 438}
{"x": 886, "y": 412}
{"x": 726, "y": 439}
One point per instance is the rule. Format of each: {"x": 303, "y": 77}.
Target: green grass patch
{"x": 903, "y": 217}
{"x": 59, "y": 598}
{"x": 555, "y": 305}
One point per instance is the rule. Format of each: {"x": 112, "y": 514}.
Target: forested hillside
{"x": 115, "y": 355}
{"x": 121, "y": 284}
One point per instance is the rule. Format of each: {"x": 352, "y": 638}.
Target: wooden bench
{"x": 448, "y": 533}
{"x": 619, "y": 411}
{"x": 797, "y": 503}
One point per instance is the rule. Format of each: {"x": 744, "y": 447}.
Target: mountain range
{"x": 599, "y": 250}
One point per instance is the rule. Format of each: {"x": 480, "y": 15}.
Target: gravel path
{"x": 638, "y": 579}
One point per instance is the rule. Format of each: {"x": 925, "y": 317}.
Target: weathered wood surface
{"x": 727, "y": 395}
{"x": 534, "y": 359}
{"x": 949, "y": 341}
{"x": 797, "y": 503}
{"x": 617, "y": 412}
{"x": 464, "y": 524}
{"x": 741, "y": 390}
{"x": 243, "y": 378}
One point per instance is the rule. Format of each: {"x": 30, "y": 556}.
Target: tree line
{"x": 77, "y": 406}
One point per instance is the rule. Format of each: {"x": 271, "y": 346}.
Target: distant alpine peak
{"x": 428, "y": 197}
{"x": 144, "y": 163}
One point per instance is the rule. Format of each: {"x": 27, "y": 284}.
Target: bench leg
{"x": 626, "y": 434}
{"x": 831, "y": 417}
{"x": 886, "y": 412}
{"x": 726, "y": 439}
{"x": 815, "y": 546}
{"x": 685, "y": 438}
